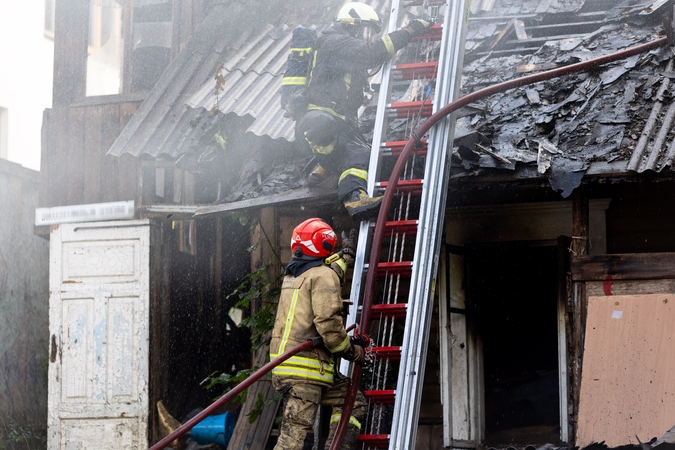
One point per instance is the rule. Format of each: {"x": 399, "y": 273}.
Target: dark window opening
{"x": 512, "y": 299}
{"x": 130, "y": 45}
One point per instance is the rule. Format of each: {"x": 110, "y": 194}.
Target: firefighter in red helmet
{"x": 309, "y": 306}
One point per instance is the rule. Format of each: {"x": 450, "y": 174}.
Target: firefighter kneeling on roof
{"x": 310, "y": 305}
{"x": 332, "y": 94}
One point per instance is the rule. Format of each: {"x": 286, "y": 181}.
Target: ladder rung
{"x": 405, "y": 109}
{"x": 374, "y": 440}
{"x": 414, "y": 186}
{"x": 381, "y": 396}
{"x": 416, "y": 70}
{"x": 394, "y": 268}
{"x": 392, "y": 353}
{"x": 397, "y": 310}
{"x": 396, "y": 147}
{"x": 400, "y": 226}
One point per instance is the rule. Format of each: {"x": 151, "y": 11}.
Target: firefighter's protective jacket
{"x": 339, "y": 73}
{"x": 309, "y": 306}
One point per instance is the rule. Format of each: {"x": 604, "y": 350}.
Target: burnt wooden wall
{"x": 78, "y": 131}
{"x": 75, "y": 168}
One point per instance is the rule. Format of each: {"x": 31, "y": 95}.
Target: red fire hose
{"x": 187, "y": 426}
{"x": 378, "y": 235}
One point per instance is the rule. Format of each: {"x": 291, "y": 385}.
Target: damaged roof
{"x": 615, "y": 119}
{"x": 565, "y": 126}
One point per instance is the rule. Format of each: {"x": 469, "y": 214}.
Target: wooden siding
{"x": 75, "y": 168}
{"x": 629, "y": 266}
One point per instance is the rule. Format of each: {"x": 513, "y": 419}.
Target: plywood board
{"x": 628, "y": 373}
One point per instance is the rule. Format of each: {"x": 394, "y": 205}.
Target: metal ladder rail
{"x": 427, "y": 248}
{"x": 397, "y": 267}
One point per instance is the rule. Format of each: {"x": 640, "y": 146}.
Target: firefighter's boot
{"x": 360, "y": 206}
{"x": 316, "y": 176}
{"x": 351, "y": 435}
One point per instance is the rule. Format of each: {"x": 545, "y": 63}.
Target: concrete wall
{"x": 24, "y": 300}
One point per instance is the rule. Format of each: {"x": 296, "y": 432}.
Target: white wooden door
{"x": 461, "y": 361}
{"x": 98, "y": 325}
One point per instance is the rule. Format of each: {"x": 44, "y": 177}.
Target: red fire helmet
{"x": 314, "y": 237}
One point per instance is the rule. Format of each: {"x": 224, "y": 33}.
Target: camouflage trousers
{"x": 301, "y": 402}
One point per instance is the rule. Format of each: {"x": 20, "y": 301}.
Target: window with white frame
{"x": 129, "y": 45}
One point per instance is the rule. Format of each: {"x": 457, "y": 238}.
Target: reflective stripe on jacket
{"x": 309, "y": 305}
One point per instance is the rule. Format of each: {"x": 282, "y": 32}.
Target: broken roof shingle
{"x": 591, "y": 117}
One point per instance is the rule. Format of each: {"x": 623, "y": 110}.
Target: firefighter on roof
{"x": 335, "y": 92}
{"x": 309, "y": 306}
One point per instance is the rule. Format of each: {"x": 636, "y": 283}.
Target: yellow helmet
{"x": 354, "y": 16}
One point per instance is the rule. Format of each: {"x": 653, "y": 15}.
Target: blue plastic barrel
{"x": 214, "y": 430}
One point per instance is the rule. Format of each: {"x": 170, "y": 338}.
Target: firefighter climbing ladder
{"x": 425, "y": 76}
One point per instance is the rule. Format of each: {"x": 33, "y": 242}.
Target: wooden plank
{"x": 179, "y": 8}
{"x": 253, "y": 436}
{"x": 628, "y": 388}
{"x": 177, "y": 186}
{"x": 70, "y": 51}
{"x": 93, "y": 154}
{"x": 127, "y": 164}
{"x": 58, "y": 177}
{"x": 48, "y": 129}
{"x": 293, "y": 195}
{"x": 564, "y": 243}
{"x": 460, "y": 405}
{"x": 628, "y": 266}
{"x": 75, "y": 156}
{"x": 579, "y": 223}
{"x": 127, "y": 28}
{"x": 579, "y": 247}
{"x": 156, "y": 370}
{"x": 110, "y": 129}
{"x": 629, "y": 287}
{"x": 127, "y": 173}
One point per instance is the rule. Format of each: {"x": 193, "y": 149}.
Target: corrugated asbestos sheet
{"x": 182, "y": 106}
{"x": 252, "y": 78}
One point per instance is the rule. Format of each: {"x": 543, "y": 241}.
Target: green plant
{"x": 227, "y": 381}
{"x": 259, "y": 290}
{"x": 18, "y": 437}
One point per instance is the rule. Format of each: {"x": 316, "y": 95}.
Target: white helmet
{"x": 354, "y": 16}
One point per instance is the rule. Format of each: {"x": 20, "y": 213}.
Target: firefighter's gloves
{"x": 362, "y": 340}
{"x": 355, "y": 353}
{"x": 341, "y": 260}
{"x": 338, "y": 264}
{"x": 349, "y": 246}
{"x": 417, "y": 27}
